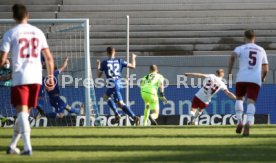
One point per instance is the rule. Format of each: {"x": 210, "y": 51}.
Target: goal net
{"x": 67, "y": 38}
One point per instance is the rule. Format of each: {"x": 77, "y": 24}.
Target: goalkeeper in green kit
{"x": 149, "y": 92}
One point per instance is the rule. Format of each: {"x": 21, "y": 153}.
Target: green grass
{"x": 152, "y": 144}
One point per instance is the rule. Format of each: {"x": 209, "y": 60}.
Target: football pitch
{"x": 150, "y": 144}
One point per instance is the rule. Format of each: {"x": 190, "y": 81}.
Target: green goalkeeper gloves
{"x": 163, "y": 98}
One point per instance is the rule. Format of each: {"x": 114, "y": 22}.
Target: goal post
{"x": 88, "y": 72}
{"x": 67, "y": 38}
{"x": 127, "y": 70}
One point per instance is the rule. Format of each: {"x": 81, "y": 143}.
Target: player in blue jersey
{"x": 112, "y": 67}
{"x": 55, "y": 99}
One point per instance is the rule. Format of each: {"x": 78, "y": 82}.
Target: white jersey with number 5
{"x": 211, "y": 85}
{"x": 25, "y": 42}
{"x": 251, "y": 58}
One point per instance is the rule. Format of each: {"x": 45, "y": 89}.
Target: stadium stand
{"x": 174, "y": 27}
{"x": 38, "y": 9}
{"x": 159, "y": 27}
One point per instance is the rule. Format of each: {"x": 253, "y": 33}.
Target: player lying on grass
{"x": 212, "y": 84}
{"x": 253, "y": 69}
{"x": 55, "y": 100}
{"x": 113, "y": 67}
{"x": 149, "y": 92}
{"x": 25, "y": 42}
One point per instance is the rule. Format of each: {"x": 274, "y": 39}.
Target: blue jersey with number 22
{"x": 113, "y": 68}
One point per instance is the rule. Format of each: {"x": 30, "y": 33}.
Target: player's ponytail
{"x": 19, "y": 12}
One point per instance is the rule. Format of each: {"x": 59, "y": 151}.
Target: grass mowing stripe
{"x": 160, "y": 144}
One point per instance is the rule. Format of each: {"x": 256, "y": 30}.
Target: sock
{"x": 112, "y": 105}
{"x": 74, "y": 110}
{"x": 250, "y": 114}
{"x": 196, "y": 120}
{"x": 153, "y": 121}
{"x": 128, "y": 111}
{"x": 239, "y": 110}
{"x": 146, "y": 115}
{"x": 194, "y": 115}
{"x": 25, "y": 130}
{"x": 16, "y": 135}
{"x": 197, "y": 114}
{"x": 51, "y": 114}
{"x": 154, "y": 116}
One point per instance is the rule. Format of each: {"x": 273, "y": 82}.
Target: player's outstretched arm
{"x": 231, "y": 64}
{"x": 3, "y": 58}
{"x": 50, "y": 68}
{"x": 132, "y": 65}
{"x": 64, "y": 66}
{"x": 162, "y": 94}
{"x": 265, "y": 70}
{"x": 99, "y": 72}
{"x": 230, "y": 94}
{"x": 196, "y": 75}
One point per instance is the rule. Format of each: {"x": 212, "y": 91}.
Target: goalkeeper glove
{"x": 163, "y": 98}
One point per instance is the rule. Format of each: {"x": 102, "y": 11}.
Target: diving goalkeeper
{"x": 149, "y": 92}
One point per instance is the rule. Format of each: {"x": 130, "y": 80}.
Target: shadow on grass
{"x": 215, "y": 136}
{"x": 170, "y": 153}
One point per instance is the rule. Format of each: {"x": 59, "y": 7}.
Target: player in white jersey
{"x": 25, "y": 42}
{"x": 212, "y": 84}
{"x": 253, "y": 68}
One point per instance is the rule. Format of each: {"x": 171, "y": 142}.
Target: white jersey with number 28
{"x": 25, "y": 42}
{"x": 211, "y": 85}
{"x": 251, "y": 58}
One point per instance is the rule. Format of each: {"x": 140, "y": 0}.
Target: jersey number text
{"x": 26, "y": 44}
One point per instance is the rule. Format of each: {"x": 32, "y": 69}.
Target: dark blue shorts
{"x": 115, "y": 93}
{"x": 58, "y": 104}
